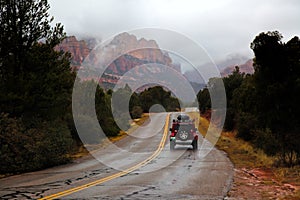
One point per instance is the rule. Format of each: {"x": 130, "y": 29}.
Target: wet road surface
{"x": 178, "y": 174}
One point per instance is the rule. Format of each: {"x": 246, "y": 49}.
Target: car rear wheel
{"x": 172, "y": 144}
{"x": 195, "y": 145}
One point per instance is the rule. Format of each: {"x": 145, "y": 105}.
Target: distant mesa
{"x": 246, "y": 68}
{"x": 79, "y": 50}
{"x": 138, "y": 52}
{"x": 231, "y": 60}
{"x": 142, "y": 49}
{"x": 146, "y": 50}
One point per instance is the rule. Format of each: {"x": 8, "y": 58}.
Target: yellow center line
{"x": 119, "y": 174}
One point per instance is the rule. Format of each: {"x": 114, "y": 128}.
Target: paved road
{"x": 157, "y": 172}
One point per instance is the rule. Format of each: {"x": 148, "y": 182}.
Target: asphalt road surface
{"x": 140, "y": 166}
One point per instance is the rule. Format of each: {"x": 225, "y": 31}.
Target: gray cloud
{"x": 222, "y": 27}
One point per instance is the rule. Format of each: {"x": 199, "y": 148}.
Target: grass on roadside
{"x": 82, "y": 151}
{"x": 244, "y": 155}
{"x": 241, "y": 153}
{"x": 133, "y": 126}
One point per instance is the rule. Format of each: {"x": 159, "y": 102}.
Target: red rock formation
{"x": 142, "y": 49}
{"x": 246, "y": 68}
{"x": 133, "y": 51}
{"x": 78, "y": 49}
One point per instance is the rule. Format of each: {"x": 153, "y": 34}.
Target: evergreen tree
{"x": 276, "y": 81}
{"x": 157, "y": 95}
{"x": 34, "y": 78}
{"x": 35, "y": 88}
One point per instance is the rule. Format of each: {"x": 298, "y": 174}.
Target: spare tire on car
{"x": 183, "y": 135}
{"x": 183, "y": 117}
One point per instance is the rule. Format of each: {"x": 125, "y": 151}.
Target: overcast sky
{"x": 222, "y": 27}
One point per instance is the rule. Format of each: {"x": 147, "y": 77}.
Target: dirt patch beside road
{"x": 259, "y": 183}
{"x": 255, "y": 176}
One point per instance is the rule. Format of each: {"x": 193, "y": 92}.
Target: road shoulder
{"x": 255, "y": 176}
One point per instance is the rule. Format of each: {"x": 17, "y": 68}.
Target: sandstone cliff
{"x": 134, "y": 52}
{"x": 139, "y": 48}
{"x": 246, "y": 68}
{"x": 78, "y": 49}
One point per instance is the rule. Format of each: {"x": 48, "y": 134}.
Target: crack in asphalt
{"x": 37, "y": 191}
{"x": 172, "y": 182}
{"x": 18, "y": 194}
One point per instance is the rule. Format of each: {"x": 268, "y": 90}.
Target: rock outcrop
{"x": 246, "y": 68}
{"x": 139, "y": 48}
{"x": 134, "y": 52}
{"x": 79, "y": 50}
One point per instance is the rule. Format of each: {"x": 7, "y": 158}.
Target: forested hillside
{"x": 264, "y": 107}
{"x": 36, "y": 82}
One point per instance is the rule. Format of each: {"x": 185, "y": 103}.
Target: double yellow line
{"x": 119, "y": 174}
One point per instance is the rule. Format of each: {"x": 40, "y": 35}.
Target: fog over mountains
{"x": 124, "y": 42}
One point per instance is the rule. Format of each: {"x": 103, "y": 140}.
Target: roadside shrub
{"x": 12, "y": 144}
{"x": 245, "y": 123}
{"x": 110, "y": 128}
{"x": 136, "y": 112}
{"x": 89, "y": 132}
{"x": 229, "y": 120}
{"x": 43, "y": 144}
{"x": 289, "y": 148}
{"x": 265, "y": 140}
